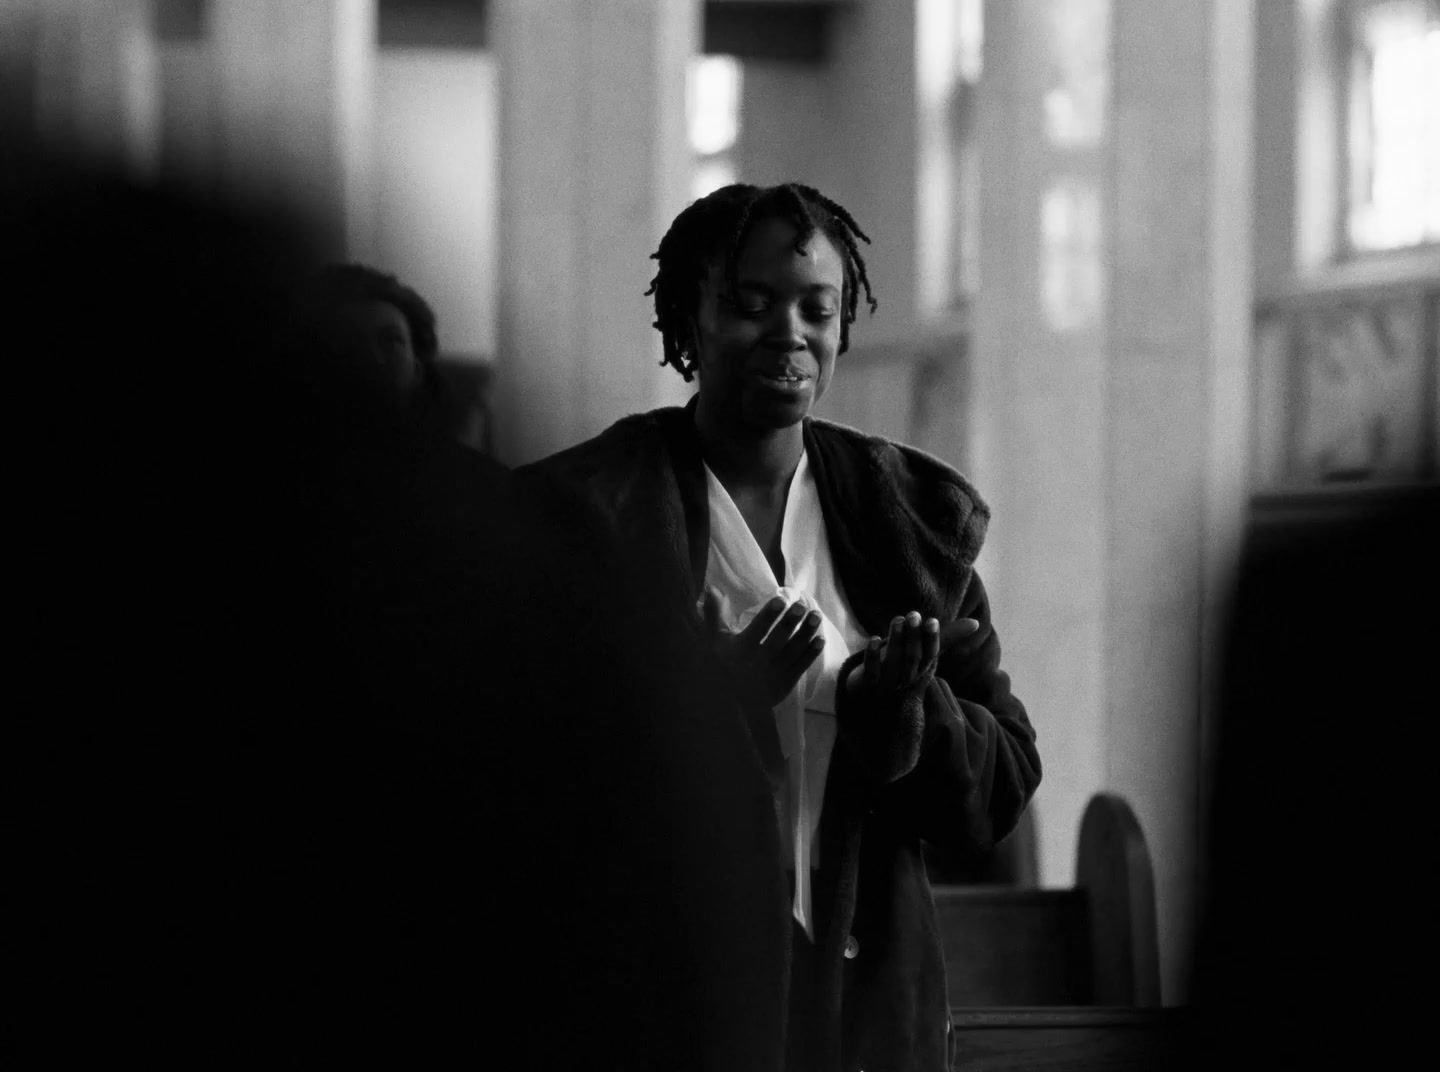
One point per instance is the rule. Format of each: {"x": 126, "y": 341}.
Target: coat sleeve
{"x": 953, "y": 757}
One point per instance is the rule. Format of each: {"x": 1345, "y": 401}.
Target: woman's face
{"x": 766, "y": 356}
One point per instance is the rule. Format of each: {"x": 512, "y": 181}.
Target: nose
{"x": 787, "y": 330}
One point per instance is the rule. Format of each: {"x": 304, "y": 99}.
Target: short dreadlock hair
{"x": 716, "y": 226}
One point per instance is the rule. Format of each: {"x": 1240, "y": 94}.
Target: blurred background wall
{"x": 1152, "y": 272}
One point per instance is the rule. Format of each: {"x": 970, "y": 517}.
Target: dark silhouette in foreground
{"x": 333, "y": 746}
{"x": 1315, "y": 934}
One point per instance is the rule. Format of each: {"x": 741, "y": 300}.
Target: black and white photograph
{"x": 721, "y": 535}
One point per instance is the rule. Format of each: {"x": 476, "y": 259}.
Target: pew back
{"x": 1093, "y": 943}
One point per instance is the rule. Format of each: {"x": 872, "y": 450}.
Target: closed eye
{"x": 747, "y": 307}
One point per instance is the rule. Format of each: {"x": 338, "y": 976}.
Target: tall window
{"x": 948, "y": 43}
{"x": 1392, "y": 123}
{"x": 964, "y": 139}
{"x": 712, "y": 110}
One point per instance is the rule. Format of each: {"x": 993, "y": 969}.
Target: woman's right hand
{"x": 765, "y": 668}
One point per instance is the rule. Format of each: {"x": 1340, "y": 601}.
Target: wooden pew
{"x": 1073, "y": 1038}
{"x": 1090, "y": 944}
{"x": 1060, "y": 978}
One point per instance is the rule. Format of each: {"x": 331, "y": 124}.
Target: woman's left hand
{"x": 906, "y": 656}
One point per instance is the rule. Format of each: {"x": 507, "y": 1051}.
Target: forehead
{"x": 769, "y": 255}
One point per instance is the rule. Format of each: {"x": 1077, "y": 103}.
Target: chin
{"x": 772, "y": 415}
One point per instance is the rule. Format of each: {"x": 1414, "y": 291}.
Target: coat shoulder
{"x": 932, "y": 492}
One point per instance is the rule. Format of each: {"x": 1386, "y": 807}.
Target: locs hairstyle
{"x": 717, "y": 226}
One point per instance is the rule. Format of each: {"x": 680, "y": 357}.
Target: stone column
{"x": 875, "y": 146}
{"x": 294, "y": 88}
{"x": 594, "y": 163}
{"x": 1111, "y": 360}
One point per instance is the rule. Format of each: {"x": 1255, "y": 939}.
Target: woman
{"x": 831, "y": 573}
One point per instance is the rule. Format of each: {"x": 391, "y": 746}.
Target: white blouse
{"x": 739, "y": 575}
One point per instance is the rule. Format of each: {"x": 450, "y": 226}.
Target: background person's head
{"x": 756, "y": 290}
{"x": 376, "y": 334}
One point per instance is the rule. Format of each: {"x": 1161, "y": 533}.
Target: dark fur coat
{"x": 953, "y": 762}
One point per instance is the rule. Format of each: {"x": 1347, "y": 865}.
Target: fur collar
{"x": 905, "y": 528}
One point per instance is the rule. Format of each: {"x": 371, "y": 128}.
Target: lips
{"x": 782, "y": 377}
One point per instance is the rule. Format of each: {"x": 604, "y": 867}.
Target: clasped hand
{"x": 770, "y": 655}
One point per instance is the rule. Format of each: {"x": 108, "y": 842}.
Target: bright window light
{"x": 1394, "y": 126}
{"x": 712, "y": 103}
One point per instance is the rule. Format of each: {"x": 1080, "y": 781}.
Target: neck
{"x": 764, "y": 458}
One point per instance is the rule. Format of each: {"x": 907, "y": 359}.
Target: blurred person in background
{"x": 377, "y": 342}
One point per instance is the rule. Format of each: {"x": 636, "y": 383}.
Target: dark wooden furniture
{"x": 1068, "y": 1039}
{"x": 1059, "y": 979}
{"x": 1090, "y": 944}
